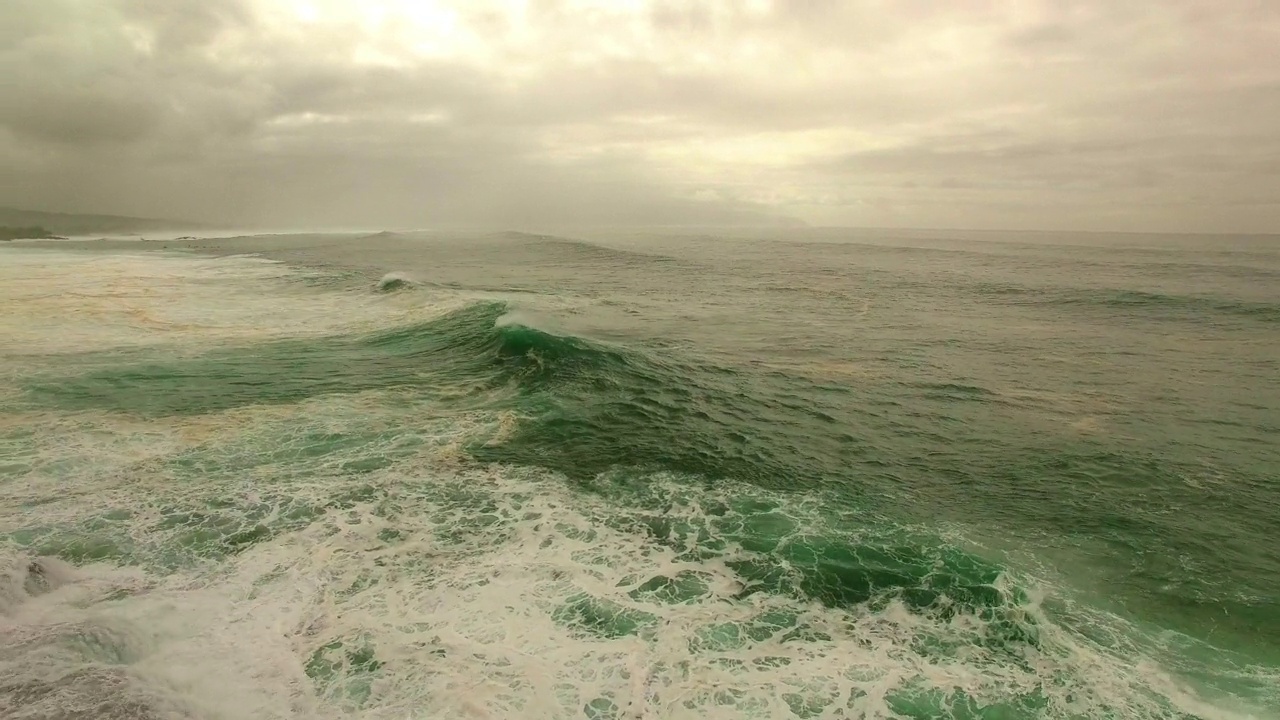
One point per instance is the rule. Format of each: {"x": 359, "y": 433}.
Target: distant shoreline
{"x": 31, "y": 232}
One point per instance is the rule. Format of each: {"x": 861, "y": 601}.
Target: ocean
{"x": 798, "y": 473}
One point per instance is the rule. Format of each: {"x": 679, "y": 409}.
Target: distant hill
{"x": 33, "y": 232}
{"x": 73, "y": 224}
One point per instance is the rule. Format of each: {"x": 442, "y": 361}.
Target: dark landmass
{"x": 74, "y": 224}
{"x": 33, "y": 232}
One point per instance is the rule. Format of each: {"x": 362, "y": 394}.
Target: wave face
{"x": 659, "y": 486}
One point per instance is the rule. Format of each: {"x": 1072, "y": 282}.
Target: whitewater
{"x": 801, "y": 473}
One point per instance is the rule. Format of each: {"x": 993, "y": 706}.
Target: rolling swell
{"x": 1149, "y": 304}
{"x": 614, "y": 419}
{"x": 590, "y": 410}
{"x": 607, "y": 418}
{"x": 595, "y": 406}
{"x": 467, "y": 347}
{"x": 561, "y": 250}
{"x": 460, "y": 348}
{"x": 603, "y": 408}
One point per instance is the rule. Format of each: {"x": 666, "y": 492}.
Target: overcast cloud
{"x": 1136, "y": 115}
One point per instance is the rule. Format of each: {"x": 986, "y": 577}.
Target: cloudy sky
{"x": 1093, "y": 114}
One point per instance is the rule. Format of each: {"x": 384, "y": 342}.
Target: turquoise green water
{"x": 831, "y": 474}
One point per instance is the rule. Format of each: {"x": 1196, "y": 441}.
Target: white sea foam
{"x": 394, "y": 281}
{"x": 436, "y": 588}
{"x": 63, "y": 302}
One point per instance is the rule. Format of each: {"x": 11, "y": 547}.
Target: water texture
{"x": 813, "y": 474}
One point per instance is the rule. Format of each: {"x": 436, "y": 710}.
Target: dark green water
{"x": 831, "y": 474}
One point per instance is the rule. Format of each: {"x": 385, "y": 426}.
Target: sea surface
{"x": 603, "y": 474}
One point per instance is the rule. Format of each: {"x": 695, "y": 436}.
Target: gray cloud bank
{"x": 1142, "y": 115}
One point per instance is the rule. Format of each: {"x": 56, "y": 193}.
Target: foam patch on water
{"x": 261, "y": 552}
{"x": 103, "y": 301}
